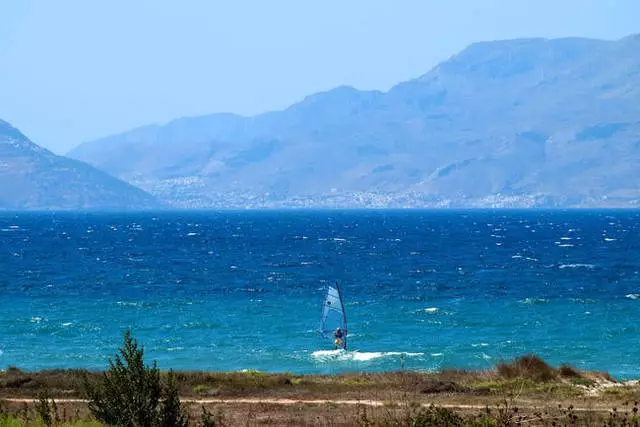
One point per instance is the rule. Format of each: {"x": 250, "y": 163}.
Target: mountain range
{"x": 520, "y": 123}
{"x": 32, "y": 177}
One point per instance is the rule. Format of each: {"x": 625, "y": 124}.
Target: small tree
{"x": 129, "y": 392}
{"x": 171, "y": 413}
{"x": 43, "y": 409}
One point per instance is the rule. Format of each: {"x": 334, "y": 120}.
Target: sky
{"x": 77, "y": 70}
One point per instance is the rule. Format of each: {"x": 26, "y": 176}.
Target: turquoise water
{"x": 243, "y": 290}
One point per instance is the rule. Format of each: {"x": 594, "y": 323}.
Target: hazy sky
{"x": 75, "y": 70}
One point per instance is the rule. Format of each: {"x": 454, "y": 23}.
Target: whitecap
{"x": 192, "y": 234}
{"x": 633, "y": 296}
{"x": 128, "y": 303}
{"x": 35, "y": 319}
{"x": 566, "y": 245}
{"x": 431, "y": 310}
{"x": 566, "y": 238}
{"x": 482, "y": 344}
{"x": 344, "y": 355}
{"x": 339, "y": 239}
{"x": 175, "y": 348}
{"x": 532, "y": 301}
{"x": 436, "y": 354}
{"x": 66, "y": 324}
{"x": 609, "y": 239}
{"x": 589, "y": 266}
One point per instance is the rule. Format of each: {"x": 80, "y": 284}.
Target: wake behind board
{"x": 333, "y": 324}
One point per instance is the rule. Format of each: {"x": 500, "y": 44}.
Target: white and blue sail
{"x": 334, "y": 317}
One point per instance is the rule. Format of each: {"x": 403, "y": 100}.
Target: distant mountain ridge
{"x": 526, "y": 122}
{"x": 32, "y": 177}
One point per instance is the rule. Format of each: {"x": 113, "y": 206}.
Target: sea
{"x": 243, "y": 290}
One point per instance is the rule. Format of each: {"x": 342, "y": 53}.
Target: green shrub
{"x": 44, "y": 409}
{"x": 171, "y": 413}
{"x": 129, "y": 392}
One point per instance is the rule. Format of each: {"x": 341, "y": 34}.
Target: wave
{"x": 534, "y": 301}
{"x": 524, "y": 257}
{"x": 633, "y": 296}
{"x": 357, "y": 356}
{"x": 589, "y": 266}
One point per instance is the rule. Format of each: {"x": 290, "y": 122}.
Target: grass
{"x": 525, "y": 390}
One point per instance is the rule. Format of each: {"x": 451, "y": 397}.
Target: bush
{"x": 44, "y": 409}
{"x": 529, "y": 367}
{"x": 568, "y": 371}
{"x": 171, "y": 414}
{"x": 129, "y": 392}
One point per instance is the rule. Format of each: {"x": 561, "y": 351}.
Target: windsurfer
{"x": 338, "y": 335}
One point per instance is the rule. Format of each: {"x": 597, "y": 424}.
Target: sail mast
{"x": 344, "y": 315}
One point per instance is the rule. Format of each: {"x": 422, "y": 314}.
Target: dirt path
{"x": 284, "y": 401}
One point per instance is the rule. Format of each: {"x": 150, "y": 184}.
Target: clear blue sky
{"x": 75, "y": 70}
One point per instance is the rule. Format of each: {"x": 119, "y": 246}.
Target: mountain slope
{"x": 523, "y": 122}
{"x": 34, "y": 178}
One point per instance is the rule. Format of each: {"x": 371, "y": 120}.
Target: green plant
{"x": 129, "y": 392}
{"x": 171, "y": 412}
{"x": 44, "y": 409}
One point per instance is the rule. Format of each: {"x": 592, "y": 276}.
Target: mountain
{"x": 32, "y": 177}
{"x": 527, "y": 122}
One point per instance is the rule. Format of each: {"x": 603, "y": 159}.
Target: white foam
{"x": 633, "y": 296}
{"x": 431, "y": 310}
{"x": 436, "y": 354}
{"x": 343, "y": 355}
{"x": 609, "y": 239}
{"x": 532, "y": 301}
{"x": 128, "y": 303}
{"x": 192, "y": 234}
{"x": 563, "y": 266}
{"x": 565, "y": 245}
{"x": 67, "y": 324}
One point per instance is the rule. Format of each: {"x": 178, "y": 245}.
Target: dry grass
{"x": 525, "y": 390}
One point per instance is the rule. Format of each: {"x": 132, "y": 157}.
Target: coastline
{"x": 527, "y": 384}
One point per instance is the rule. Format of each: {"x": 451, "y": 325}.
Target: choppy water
{"x": 243, "y": 290}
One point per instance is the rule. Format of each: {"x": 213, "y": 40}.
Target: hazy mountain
{"x": 34, "y": 178}
{"x": 517, "y": 122}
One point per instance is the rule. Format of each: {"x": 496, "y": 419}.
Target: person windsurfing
{"x": 338, "y": 335}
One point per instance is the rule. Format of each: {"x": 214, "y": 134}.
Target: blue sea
{"x": 244, "y": 290}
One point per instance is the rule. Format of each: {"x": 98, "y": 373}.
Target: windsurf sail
{"x": 334, "y": 318}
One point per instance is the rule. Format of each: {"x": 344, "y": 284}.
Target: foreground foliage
{"x": 130, "y": 392}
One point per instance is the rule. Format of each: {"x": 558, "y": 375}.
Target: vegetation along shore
{"x": 524, "y": 391}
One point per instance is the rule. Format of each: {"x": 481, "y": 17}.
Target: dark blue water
{"x": 243, "y": 290}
